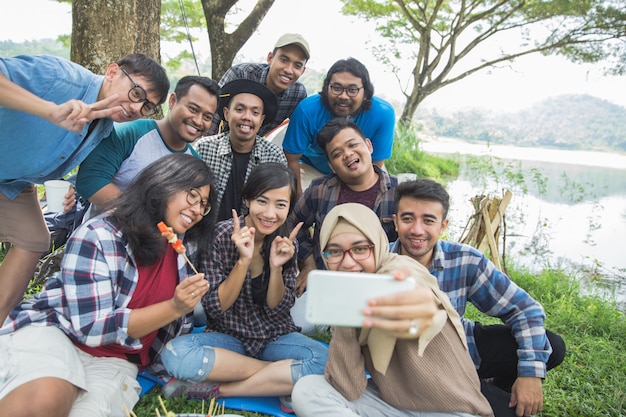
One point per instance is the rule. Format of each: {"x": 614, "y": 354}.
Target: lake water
{"x": 575, "y": 220}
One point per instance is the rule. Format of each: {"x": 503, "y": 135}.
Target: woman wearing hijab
{"x": 412, "y": 343}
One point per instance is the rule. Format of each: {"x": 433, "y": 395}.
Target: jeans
{"x": 192, "y": 357}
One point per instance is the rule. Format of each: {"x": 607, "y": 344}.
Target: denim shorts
{"x": 192, "y": 357}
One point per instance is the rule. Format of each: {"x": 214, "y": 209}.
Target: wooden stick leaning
{"x": 176, "y": 243}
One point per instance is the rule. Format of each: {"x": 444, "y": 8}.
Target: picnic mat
{"x": 265, "y": 405}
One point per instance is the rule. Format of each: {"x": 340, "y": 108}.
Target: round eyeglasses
{"x": 193, "y": 198}
{"x": 137, "y": 94}
{"x": 351, "y": 91}
{"x": 358, "y": 253}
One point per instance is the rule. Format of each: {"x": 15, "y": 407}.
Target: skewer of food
{"x": 168, "y": 233}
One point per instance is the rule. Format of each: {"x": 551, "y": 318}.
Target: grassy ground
{"x": 592, "y": 379}
{"x": 590, "y": 382}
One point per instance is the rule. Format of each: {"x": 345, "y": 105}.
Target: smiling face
{"x": 287, "y": 64}
{"x": 116, "y": 82}
{"x": 350, "y": 157}
{"x": 189, "y": 117}
{"x": 343, "y": 241}
{"x": 342, "y": 104}
{"x": 182, "y": 216}
{"x": 244, "y": 115}
{"x": 419, "y": 224}
{"x": 268, "y": 211}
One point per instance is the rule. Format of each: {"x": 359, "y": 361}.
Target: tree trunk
{"x": 224, "y": 46}
{"x": 103, "y": 31}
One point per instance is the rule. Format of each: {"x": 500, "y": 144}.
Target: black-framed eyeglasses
{"x": 351, "y": 91}
{"x": 137, "y": 94}
{"x": 358, "y": 253}
{"x": 193, "y": 198}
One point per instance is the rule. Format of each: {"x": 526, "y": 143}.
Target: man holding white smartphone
{"x": 515, "y": 355}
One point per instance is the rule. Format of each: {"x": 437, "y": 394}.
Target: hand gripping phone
{"x": 338, "y": 298}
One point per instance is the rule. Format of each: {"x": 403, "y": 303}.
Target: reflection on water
{"x": 579, "y": 218}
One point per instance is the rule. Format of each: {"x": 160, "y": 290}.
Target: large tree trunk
{"x": 224, "y": 46}
{"x": 103, "y": 31}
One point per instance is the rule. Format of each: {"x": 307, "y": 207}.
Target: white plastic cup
{"x": 55, "y": 194}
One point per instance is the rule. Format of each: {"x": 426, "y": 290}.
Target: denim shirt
{"x": 33, "y": 149}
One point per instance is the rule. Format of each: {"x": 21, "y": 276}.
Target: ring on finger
{"x": 414, "y": 328}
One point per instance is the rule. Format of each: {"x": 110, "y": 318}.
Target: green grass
{"x": 591, "y": 381}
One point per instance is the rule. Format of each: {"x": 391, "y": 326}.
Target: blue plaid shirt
{"x": 287, "y": 101}
{"x": 322, "y": 195}
{"x": 465, "y": 274}
{"x": 88, "y": 299}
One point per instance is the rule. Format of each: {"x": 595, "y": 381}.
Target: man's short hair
{"x": 185, "y": 83}
{"x": 356, "y": 68}
{"x": 423, "y": 189}
{"x": 152, "y": 71}
{"x": 332, "y": 128}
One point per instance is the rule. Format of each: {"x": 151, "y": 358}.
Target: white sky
{"x": 333, "y": 36}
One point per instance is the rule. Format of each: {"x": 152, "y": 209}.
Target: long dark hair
{"x": 142, "y": 205}
{"x": 270, "y": 176}
{"x": 356, "y": 68}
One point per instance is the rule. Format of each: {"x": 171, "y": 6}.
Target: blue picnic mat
{"x": 265, "y": 405}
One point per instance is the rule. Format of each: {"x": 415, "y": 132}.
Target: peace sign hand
{"x": 73, "y": 115}
{"x": 283, "y": 248}
{"x": 243, "y": 238}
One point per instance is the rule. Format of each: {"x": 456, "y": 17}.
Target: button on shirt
{"x": 33, "y": 149}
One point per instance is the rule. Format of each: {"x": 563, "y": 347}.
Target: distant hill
{"x": 579, "y": 122}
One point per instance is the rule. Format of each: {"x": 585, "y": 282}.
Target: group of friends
{"x": 255, "y": 217}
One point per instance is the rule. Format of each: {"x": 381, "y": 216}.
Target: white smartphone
{"x": 338, "y": 298}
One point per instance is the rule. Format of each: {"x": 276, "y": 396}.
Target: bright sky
{"x": 333, "y": 36}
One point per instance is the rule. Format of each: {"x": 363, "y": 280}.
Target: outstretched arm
{"x": 72, "y": 115}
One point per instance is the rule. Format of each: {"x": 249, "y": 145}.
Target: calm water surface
{"x": 577, "y": 220}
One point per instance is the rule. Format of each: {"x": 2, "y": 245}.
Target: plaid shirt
{"x": 322, "y": 195}
{"x": 465, "y": 275}
{"x": 88, "y": 299}
{"x": 287, "y": 101}
{"x": 253, "y": 324}
{"x": 218, "y": 155}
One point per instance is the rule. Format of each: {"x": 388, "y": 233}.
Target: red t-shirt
{"x": 156, "y": 283}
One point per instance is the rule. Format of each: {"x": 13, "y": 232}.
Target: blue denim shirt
{"x": 34, "y": 150}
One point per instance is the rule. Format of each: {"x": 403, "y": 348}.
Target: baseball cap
{"x": 294, "y": 39}
{"x": 244, "y": 85}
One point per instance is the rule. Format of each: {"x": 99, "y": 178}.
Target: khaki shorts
{"x": 22, "y": 223}
{"x": 106, "y": 384}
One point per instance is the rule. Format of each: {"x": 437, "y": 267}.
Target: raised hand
{"x": 398, "y": 313}
{"x": 283, "y": 248}
{"x": 243, "y": 238}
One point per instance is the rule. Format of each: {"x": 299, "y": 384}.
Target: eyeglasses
{"x": 193, "y": 198}
{"x": 358, "y": 253}
{"x": 351, "y": 91}
{"x": 137, "y": 94}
